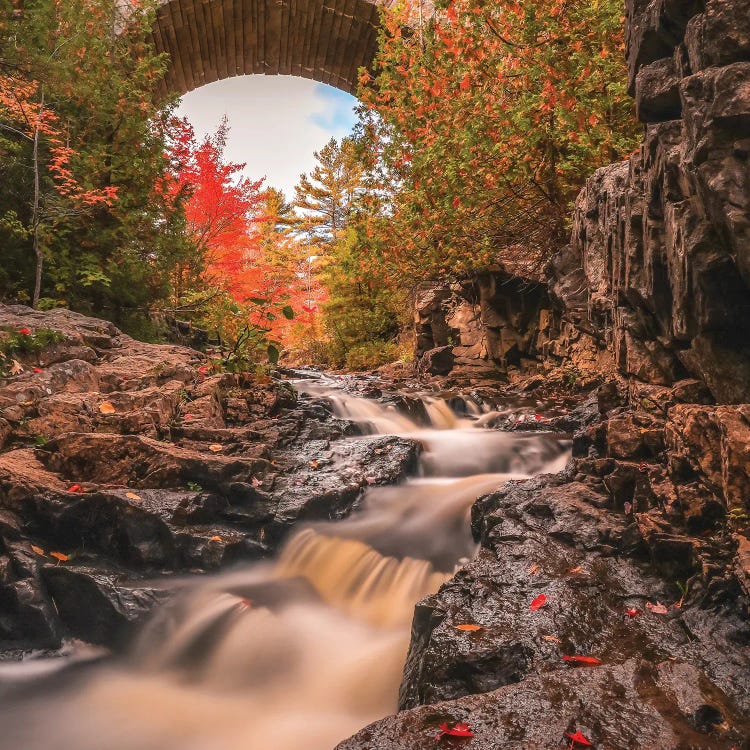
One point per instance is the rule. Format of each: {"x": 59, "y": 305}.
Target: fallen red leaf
{"x": 582, "y": 659}
{"x": 75, "y": 488}
{"x": 37, "y": 369}
{"x": 59, "y": 556}
{"x": 630, "y": 612}
{"x": 459, "y": 729}
{"x": 579, "y": 738}
{"x": 538, "y": 603}
{"x": 469, "y": 627}
{"x": 25, "y": 331}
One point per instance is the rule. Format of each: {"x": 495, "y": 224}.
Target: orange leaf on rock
{"x": 133, "y": 496}
{"x": 75, "y": 488}
{"x": 551, "y": 638}
{"x": 577, "y": 569}
{"x": 215, "y": 539}
{"x": 59, "y": 556}
{"x": 592, "y": 660}
{"x": 538, "y": 603}
{"x": 215, "y": 447}
{"x": 469, "y": 627}
{"x": 658, "y": 608}
{"x": 106, "y": 407}
{"x": 38, "y": 550}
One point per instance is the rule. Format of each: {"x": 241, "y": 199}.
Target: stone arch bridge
{"x": 208, "y": 40}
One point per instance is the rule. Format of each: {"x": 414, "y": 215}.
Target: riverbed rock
{"x": 124, "y": 461}
{"x": 619, "y": 707}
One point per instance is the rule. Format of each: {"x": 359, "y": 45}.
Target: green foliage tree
{"x": 324, "y": 198}
{"x": 94, "y": 64}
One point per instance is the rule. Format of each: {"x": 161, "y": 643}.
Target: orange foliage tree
{"x": 238, "y": 290}
{"x": 485, "y": 119}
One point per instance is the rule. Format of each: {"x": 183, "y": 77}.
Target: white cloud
{"x": 276, "y": 122}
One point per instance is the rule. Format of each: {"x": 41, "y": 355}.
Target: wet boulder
{"x": 618, "y": 707}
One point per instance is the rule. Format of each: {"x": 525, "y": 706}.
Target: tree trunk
{"x": 35, "y": 212}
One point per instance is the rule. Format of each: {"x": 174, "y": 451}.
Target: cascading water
{"x": 304, "y": 651}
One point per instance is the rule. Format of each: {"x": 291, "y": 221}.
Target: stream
{"x": 307, "y": 649}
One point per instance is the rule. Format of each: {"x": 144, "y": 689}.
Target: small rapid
{"x": 304, "y": 650}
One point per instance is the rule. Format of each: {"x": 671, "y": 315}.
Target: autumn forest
{"x": 445, "y": 447}
{"x": 471, "y": 140}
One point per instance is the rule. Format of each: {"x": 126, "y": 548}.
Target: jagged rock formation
{"x": 498, "y": 326}
{"x": 660, "y": 257}
{"x": 122, "y": 461}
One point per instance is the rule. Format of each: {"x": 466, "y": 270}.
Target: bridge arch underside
{"x": 209, "y": 40}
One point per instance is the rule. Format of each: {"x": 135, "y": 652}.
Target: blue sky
{"x": 276, "y": 122}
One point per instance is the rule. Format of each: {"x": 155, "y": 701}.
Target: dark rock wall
{"x": 493, "y": 322}
{"x": 659, "y": 263}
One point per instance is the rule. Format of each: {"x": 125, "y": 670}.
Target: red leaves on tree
{"x": 586, "y": 660}
{"x": 459, "y": 729}
{"x": 538, "y": 603}
{"x": 221, "y": 209}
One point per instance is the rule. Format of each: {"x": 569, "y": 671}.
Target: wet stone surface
{"x": 123, "y": 461}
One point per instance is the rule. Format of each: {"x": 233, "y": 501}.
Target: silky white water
{"x": 303, "y": 651}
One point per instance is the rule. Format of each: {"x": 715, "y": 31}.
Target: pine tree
{"x": 325, "y": 198}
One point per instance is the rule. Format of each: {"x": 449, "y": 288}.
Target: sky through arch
{"x": 276, "y": 122}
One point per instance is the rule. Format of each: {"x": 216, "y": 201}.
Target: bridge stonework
{"x": 208, "y": 40}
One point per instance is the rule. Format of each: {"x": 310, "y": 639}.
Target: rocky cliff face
{"x": 660, "y": 255}
{"x": 495, "y": 320}
{"x": 498, "y": 326}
